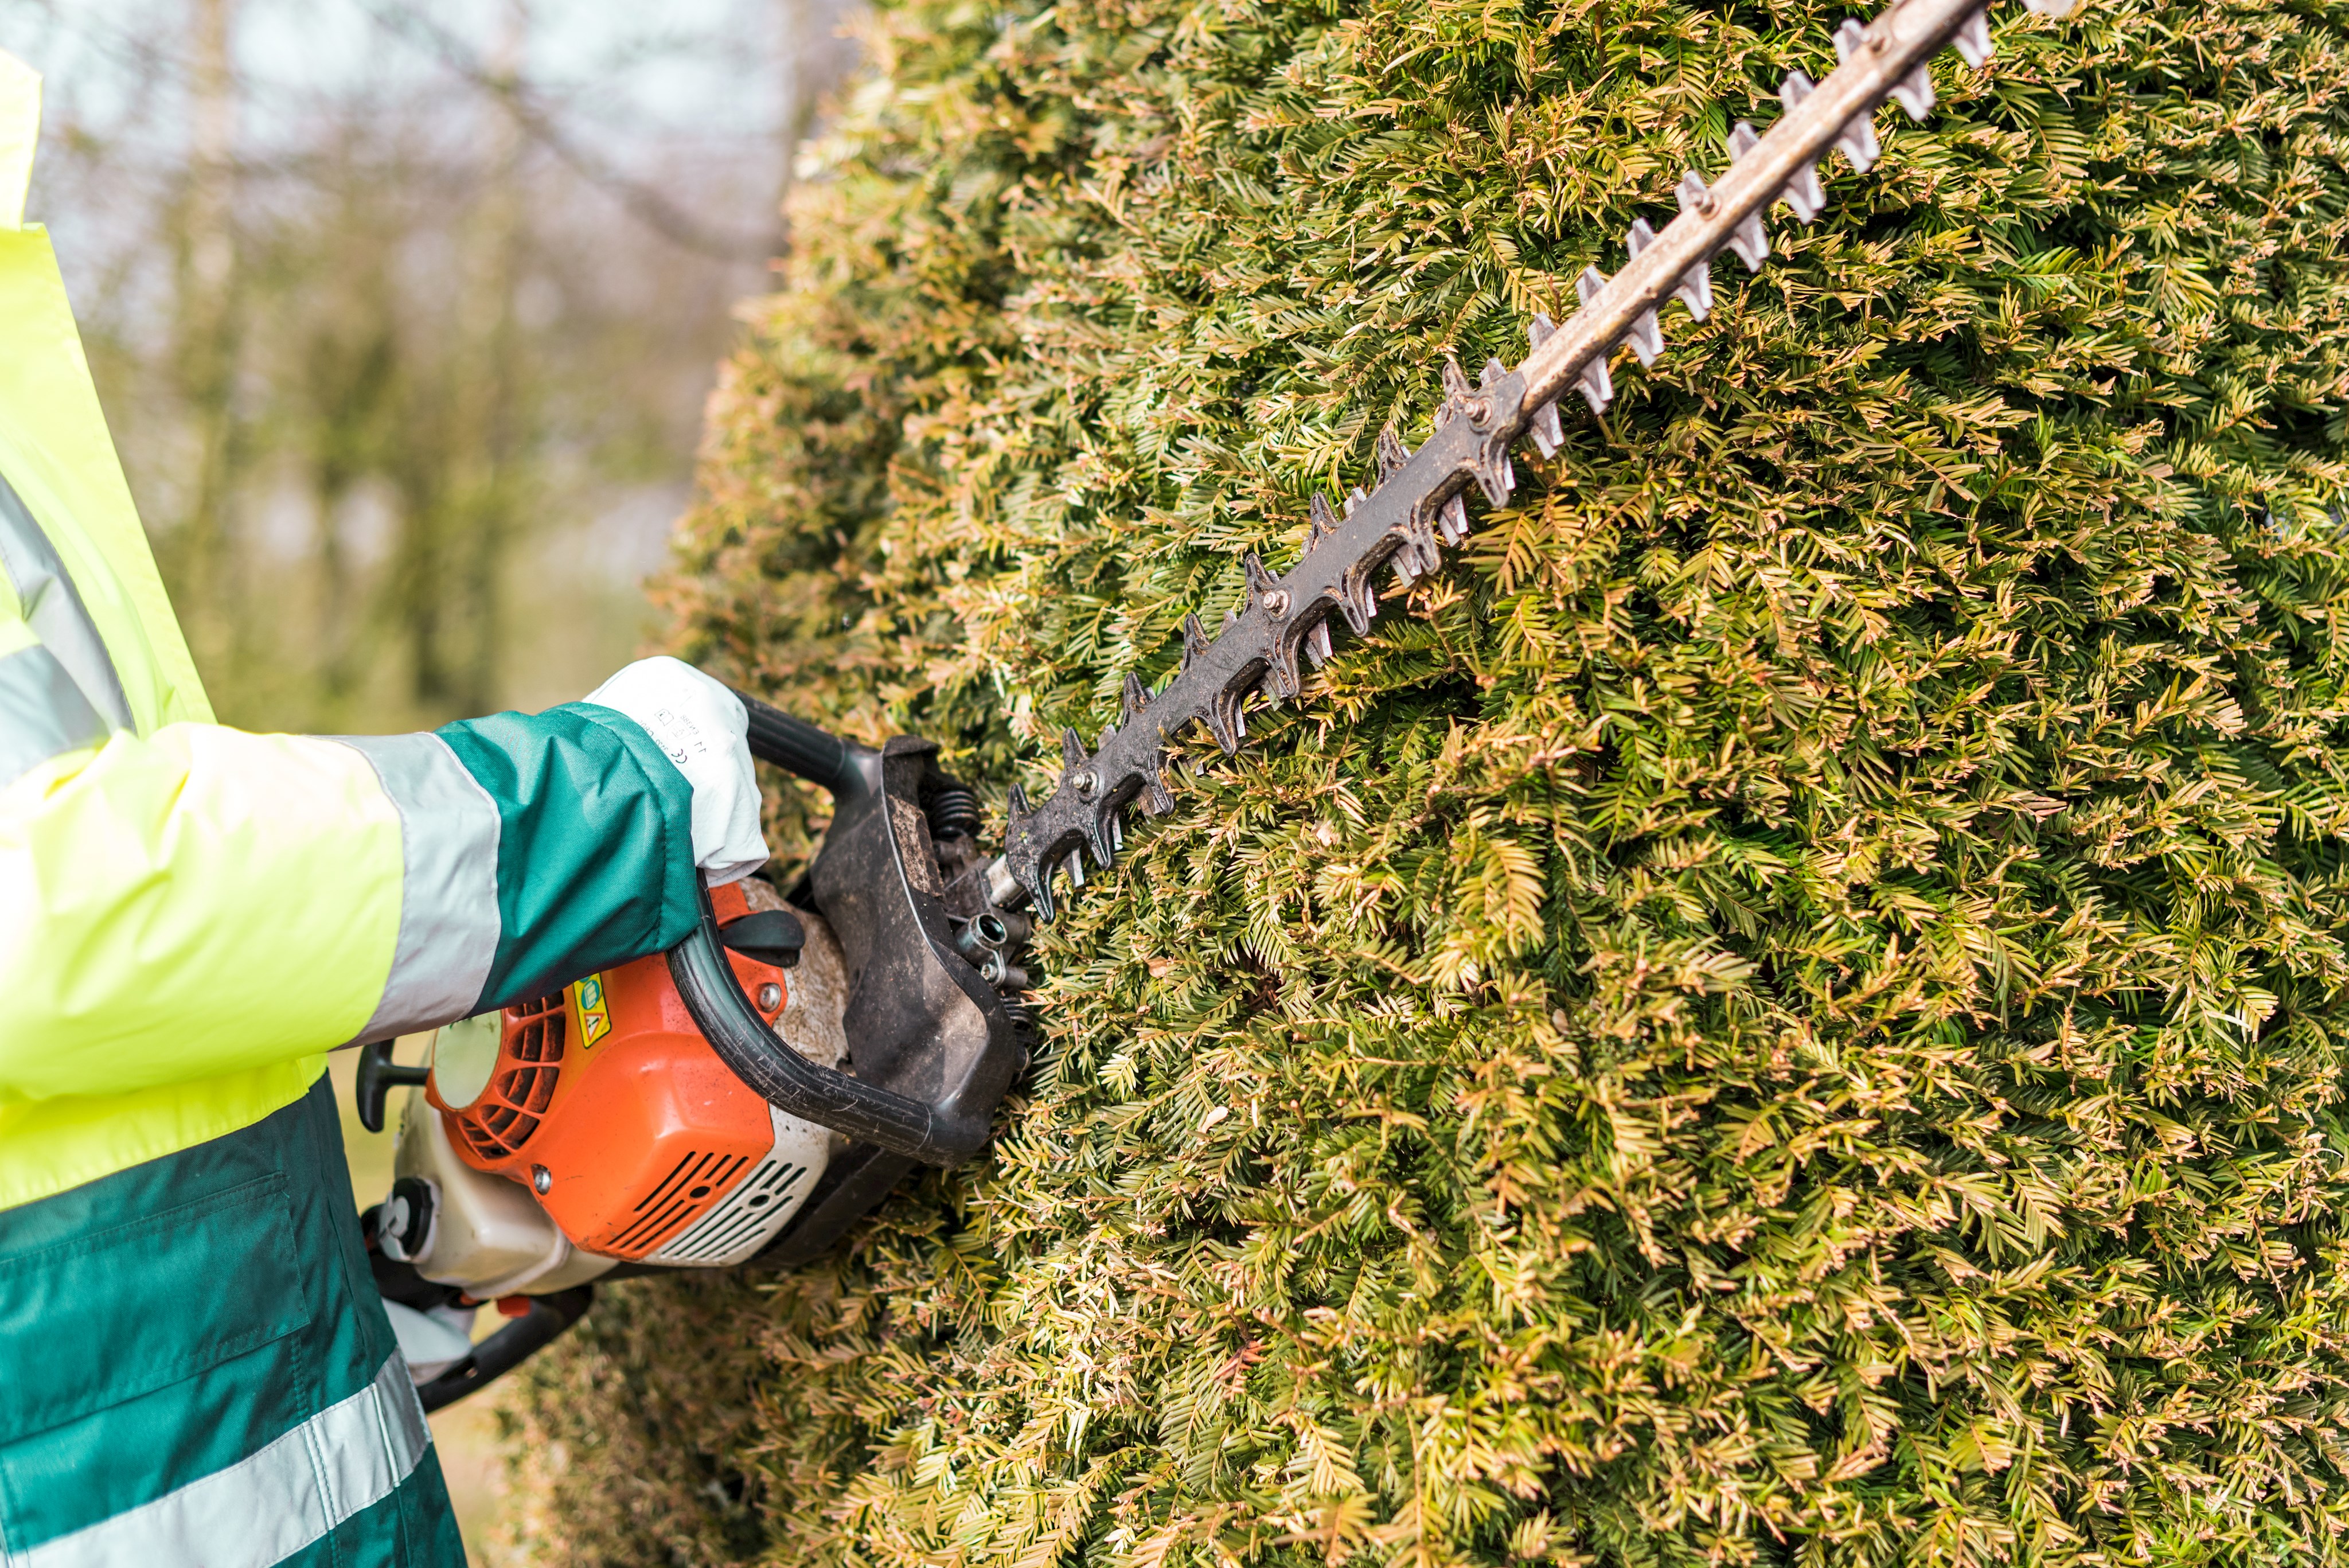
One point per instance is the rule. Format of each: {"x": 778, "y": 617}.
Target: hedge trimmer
{"x": 754, "y": 1091}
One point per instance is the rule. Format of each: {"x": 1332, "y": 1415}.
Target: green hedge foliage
{"x": 1787, "y": 1007}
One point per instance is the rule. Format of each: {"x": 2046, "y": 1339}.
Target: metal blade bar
{"x": 1417, "y": 505}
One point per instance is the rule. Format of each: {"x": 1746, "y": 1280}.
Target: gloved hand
{"x": 701, "y": 726}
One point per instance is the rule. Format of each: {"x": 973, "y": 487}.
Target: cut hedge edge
{"x": 1788, "y": 1006}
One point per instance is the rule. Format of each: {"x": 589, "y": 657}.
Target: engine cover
{"x": 606, "y": 1103}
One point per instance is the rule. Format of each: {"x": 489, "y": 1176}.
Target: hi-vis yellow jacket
{"x": 190, "y": 916}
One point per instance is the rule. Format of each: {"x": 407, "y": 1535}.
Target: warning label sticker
{"x": 594, "y": 1013}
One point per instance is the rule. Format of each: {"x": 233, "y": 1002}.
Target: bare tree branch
{"x": 539, "y": 121}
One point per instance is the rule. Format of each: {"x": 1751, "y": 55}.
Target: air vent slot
{"x": 529, "y": 1061}
{"x": 681, "y": 1194}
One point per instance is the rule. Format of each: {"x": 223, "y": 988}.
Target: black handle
{"x": 932, "y": 1047}
{"x": 707, "y": 984}
{"x": 379, "y": 1075}
{"x": 794, "y": 744}
{"x": 512, "y": 1345}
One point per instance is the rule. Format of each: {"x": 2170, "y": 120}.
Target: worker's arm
{"x": 202, "y": 900}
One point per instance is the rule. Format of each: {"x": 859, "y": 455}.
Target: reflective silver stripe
{"x": 269, "y": 1505}
{"x": 55, "y": 611}
{"x": 42, "y": 712}
{"x": 449, "y": 923}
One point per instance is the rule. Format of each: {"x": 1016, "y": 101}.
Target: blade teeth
{"x": 1320, "y": 521}
{"x": 1492, "y": 376}
{"x": 1695, "y": 286}
{"x": 1749, "y": 239}
{"x": 1695, "y": 290}
{"x": 1548, "y": 434}
{"x": 1596, "y": 390}
{"x": 1282, "y": 680}
{"x": 1646, "y": 338}
{"x": 1075, "y": 864}
{"x": 1455, "y": 384}
{"x": 1224, "y": 722}
{"x": 1973, "y": 40}
{"x": 1354, "y": 498}
{"x": 1072, "y": 751}
{"x": 1421, "y": 533}
{"x": 1418, "y": 555}
{"x": 1857, "y": 141}
{"x": 1392, "y": 453}
{"x": 1694, "y": 197}
{"x": 1647, "y": 335}
{"x": 1195, "y": 640}
{"x": 1317, "y": 643}
{"x": 1107, "y": 838}
{"x": 1495, "y": 475}
{"x": 1015, "y": 808}
{"x": 1858, "y": 137}
{"x": 1261, "y": 582}
{"x": 1453, "y": 518}
{"x": 1802, "y": 192}
{"x": 1357, "y": 602}
{"x": 1157, "y": 798}
{"x": 1914, "y": 92}
{"x": 1231, "y": 618}
{"x": 1133, "y": 700}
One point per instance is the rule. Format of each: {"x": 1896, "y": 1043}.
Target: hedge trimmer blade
{"x": 1419, "y": 503}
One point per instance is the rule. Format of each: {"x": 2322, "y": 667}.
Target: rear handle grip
{"x": 509, "y": 1347}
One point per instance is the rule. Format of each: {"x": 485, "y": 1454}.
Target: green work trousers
{"x": 196, "y": 1369}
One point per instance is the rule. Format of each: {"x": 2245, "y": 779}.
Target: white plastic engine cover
{"x": 489, "y": 1237}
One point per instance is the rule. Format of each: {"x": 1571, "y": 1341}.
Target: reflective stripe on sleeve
{"x": 42, "y": 712}
{"x": 271, "y": 1504}
{"x": 449, "y": 923}
{"x": 53, "y": 609}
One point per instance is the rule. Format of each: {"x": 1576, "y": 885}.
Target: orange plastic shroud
{"x": 610, "y": 1090}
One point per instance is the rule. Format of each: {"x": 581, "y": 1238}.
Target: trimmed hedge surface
{"x": 1786, "y": 1007}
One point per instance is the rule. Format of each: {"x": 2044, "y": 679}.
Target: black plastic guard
{"x": 932, "y": 1046}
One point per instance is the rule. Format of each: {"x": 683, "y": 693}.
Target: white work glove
{"x": 700, "y": 725}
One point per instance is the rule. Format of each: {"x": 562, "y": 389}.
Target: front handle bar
{"x": 932, "y": 1048}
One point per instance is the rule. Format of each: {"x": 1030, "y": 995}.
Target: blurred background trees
{"x": 404, "y": 311}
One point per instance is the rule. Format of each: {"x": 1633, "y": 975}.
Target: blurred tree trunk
{"x": 462, "y": 512}
{"x": 208, "y": 552}
{"x": 350, "y": 365}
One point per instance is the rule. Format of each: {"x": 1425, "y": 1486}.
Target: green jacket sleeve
{"x": 204, "y": 900}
